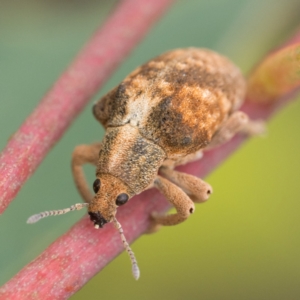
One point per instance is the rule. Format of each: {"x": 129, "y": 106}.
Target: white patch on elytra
{"x": 206, "y": 93}
{"x": 133, "y": 122}
{"x": 138, "y": 109}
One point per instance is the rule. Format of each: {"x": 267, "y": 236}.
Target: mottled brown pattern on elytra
{"x": 171, "y": 138}
{"x": 178, "y": 100}
{"x": 193, "y": 67}
{"x": 130, "y": 157}
{"x": 199, "y": 95}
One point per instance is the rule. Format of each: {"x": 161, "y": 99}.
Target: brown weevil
{"x": 163, "y": 114}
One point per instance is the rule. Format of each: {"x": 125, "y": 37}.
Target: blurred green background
{"x": 244, "y": 242}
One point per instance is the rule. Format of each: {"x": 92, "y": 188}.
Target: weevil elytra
{"x": 163, "y": 114}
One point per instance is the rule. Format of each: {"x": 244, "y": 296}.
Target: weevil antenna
{"x": 44, "y": 214}
{"x": 135, "y": 267}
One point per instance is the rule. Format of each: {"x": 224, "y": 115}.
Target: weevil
{"x": 163, "y": 114}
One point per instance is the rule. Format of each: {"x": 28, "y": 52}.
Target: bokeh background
{"x": 244, "y": 242}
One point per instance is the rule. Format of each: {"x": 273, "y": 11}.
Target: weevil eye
{"x": 96, "y": 185}
{"x": 122, "y": 199}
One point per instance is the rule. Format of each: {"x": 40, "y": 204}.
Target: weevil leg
{"x": 84, "y": 154}
{"x": 178, "y": 198}
{"x": 197, "y": 189}
{"x": 237, "y": 122}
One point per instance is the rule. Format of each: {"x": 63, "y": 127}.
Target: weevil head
{"x": 110, "y": 193}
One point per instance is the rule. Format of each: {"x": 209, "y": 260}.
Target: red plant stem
{"x": 44, "y": 127}
{"x": 79, "y": 254}
{"x": 278, "y": 74}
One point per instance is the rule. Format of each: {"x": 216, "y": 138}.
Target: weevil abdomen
{"x": 178, "y": 100}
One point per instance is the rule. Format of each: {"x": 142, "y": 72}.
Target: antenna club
{"x": 136, "y": 272}
{"x": 33, "y": 219}
{"x": 37, "y": 217}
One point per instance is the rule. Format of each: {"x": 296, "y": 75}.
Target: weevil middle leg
{"x": 178, "y": 198}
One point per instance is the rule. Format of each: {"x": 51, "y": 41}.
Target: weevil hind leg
{"x": 178, "y": 198}
{"x": 238, "y": 122}
{"x": 184, "y": 160}
{"x": 197, "y": 189}
{"x": 84, "y": 154}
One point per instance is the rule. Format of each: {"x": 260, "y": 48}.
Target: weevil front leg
{"x": 84, "y": 154}
{"x": 237, "y": 122}
{"x": 178, "y": 198}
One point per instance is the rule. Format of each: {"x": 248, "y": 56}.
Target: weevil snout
{"x": 98, "y": 219}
